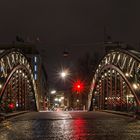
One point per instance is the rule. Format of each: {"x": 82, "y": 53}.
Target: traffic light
{"x": 11, "y": 106}
{"x": 78, "y": 86}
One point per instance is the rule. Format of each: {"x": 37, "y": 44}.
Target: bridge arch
{"x": 18, "y": 89}
{"x": 116, "y": 82}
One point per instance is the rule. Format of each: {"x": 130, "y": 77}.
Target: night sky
{"x": 74, "y": 25}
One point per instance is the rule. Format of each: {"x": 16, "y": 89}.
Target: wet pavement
{"x": 70, "y": 126}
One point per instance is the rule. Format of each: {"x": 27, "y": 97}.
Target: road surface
{"x": 70, "y": 126}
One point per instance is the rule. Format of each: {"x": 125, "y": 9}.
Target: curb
{"x": 6, "y": 116}
{"x": 118, "y": 113}
{"x": 133, "y": 115}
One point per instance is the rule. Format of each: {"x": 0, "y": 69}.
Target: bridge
{"x": 115, "y": 85}
{"x": 116, "y": 82}
{"x": 18, "y": 90}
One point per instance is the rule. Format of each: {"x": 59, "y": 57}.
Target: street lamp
{"x": 64, "y": 73}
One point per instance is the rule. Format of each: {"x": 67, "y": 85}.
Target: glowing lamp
{"x": 78, "y": 86}
{"x": 11, "y": 106}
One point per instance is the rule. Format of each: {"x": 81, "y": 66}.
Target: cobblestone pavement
{"x": 70, "y": 126}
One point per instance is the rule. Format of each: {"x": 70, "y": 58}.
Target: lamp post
{"x": 52, "y": 95}
{"x": 78, "y": 87}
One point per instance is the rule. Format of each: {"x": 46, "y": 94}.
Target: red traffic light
{"x": 78, "y": 86}
{"x": 11, "y": 106}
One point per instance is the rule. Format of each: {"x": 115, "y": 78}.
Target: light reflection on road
{"x": 102, "y": 127}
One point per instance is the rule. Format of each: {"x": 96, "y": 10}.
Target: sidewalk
{"x": 4, "y": 116}
{"x": 129, "y": 114}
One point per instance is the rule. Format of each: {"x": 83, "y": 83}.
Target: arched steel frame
{"x": 17, "y": 84}
{"x": 119, "y": 70}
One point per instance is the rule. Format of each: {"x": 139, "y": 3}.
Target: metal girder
{"x": 17, "y": 83}
{"x": 118, "y": 67}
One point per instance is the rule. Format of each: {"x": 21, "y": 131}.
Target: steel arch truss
{"x": 116, "y": 83}
{"x": 17, "y": 85}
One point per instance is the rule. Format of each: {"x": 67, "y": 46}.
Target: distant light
{"x": 135, "y": 86}
{"x": 130, "y": 96}
{"x": 56, "y": 99}
{"x": 16, "y": 104}
{"x": 105, "y": 74}
{"x": 23, "y": 74}
{"x": 62, "y": 98}
{"x": 113, "y": 71}
{"x": 0, "y": 85}
{"x": 77, "y": 100}
{"x": 53, "y": 91}
{"x": 127, "y": 75}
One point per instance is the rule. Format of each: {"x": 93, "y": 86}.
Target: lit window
{"x": 1, "y": 68}
{"x": 35, "y": 76}
{"x": 35, "y": 67}
{"x": 35, "y": 59}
